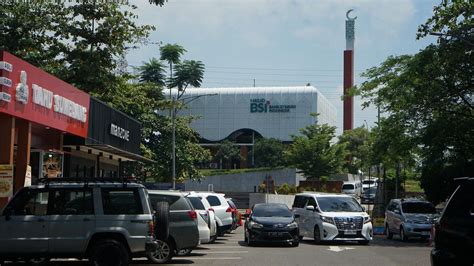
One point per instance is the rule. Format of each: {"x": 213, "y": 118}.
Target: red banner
{"x": 29, "y": 93}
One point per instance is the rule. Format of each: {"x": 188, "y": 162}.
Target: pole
{"x": 173, "y": 118}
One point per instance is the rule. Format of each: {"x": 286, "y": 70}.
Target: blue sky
{"x": 285, "y": 42}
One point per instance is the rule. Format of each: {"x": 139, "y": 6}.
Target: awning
{"x": 119, "y": 152}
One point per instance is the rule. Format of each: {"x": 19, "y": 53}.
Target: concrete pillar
{"x": 348, "y": 83}
{"x": 23, "y": 152}
{"x": 7, "y": 143}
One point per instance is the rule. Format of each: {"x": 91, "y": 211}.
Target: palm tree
{"x": 153, "y": 71}
{"x": 188, "y": 73}
{"x": 172, "y": 54}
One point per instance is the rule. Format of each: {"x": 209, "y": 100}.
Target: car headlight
{"x": 367, "y": 219}
{"x": 327, "y": 219}
{"x": 292, "y": 225}
{"x": 255, "y": 225}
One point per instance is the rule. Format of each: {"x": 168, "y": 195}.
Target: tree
{"x": 80, "y": 43}
{"x": 172, "y": 54}
{"x": 226, "y": 153}
{"x": 358, "y": 146}
{"x": 427, "y": 98}
{"x": 188, "y": 73}
{"x": 268, "y": 152}
{"x": 153, "y": 71}
{"x": 313, "y": 152}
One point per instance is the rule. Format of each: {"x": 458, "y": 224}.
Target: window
{"x": 339, "y": 204}
{"x": 72, "y": 202}
{"x": 418, "y": 207}
{"x": 213, "y": 200}
{"x": 196, "y": 202}
{"x": 300, "y": 201}
{"x": 348, "y": 187}
{"x": 312, "y": 202}
{"x": 30, "y": 202}
{"x": 176, "y": 203}
{"x": 271, "y": 211}
{"x": 121, "y": 201}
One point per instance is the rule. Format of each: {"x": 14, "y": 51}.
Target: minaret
{"x": 349, "y": 73}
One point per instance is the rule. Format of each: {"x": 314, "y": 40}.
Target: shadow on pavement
{"x": 379, "y": 241}
{"x": 264, "y": 245}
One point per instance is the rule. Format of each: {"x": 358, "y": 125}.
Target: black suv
{"x": 454, "y": 232}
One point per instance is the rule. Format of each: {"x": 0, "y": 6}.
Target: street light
{"x": 173, "y": 118}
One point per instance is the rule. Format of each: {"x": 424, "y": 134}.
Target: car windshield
{"x": 368, "y": 182}
{"x": 271, "y": 211}
{"x": 348, "y": 186}
{"x": 418, "y": 207}
{"x": 371, "y": 190}
{"x": 339, "y": 204}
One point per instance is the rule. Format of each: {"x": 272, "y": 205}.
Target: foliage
{"x": 286, "y": 189}
{"x": 268, "y": 152}
{"x": 80, "y": 43}
{"x": 427, "y": 101}
{"x": 188, "y": 73}
{"x": 213, "y": 172}
{"x": 358, "y": 145}
{"x": 153, "y": 71}
{"x": 313, "y": 152}
{"x": 227, "y": 152}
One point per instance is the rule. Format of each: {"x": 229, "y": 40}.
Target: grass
{"x": 413, "y": 186}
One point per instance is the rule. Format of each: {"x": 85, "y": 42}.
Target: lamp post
{"x": 173, "y": 118}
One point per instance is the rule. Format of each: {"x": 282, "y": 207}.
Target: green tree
{"x": 268, "y": 152}
{"x": 188, "y": 73}
{"x": 427, "y": 99}
{"x": 313, "y": 152}
{"x": 153, "y": 71}
{"x": 358, "y": 146}
{"x": 226, "y": 153}
{"x": 80, "y": 43}
{"x": 171, "y": 53}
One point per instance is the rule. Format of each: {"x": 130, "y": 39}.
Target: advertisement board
{"x": 6, "y": 180}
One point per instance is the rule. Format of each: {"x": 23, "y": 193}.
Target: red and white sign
{"x": 29, "y": 93}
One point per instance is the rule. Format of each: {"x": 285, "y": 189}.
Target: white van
{"x": 353, "y": 188}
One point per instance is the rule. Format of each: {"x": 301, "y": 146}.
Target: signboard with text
{"x": 6, "y": 180}
{"x": 30, "y": 93}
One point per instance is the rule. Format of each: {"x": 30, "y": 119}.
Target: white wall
{"x": 271, "y": 198}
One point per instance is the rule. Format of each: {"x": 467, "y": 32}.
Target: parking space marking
{"x": 338, "y": 249}
{"x": 221, "y": 252}
{"x": 211, "y": 258}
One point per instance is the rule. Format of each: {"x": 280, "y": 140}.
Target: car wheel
{"x": 388, "y": 234}
{"x": 163, "y": 253}
{"x": 295, "y": 244}
{"x": 109, "y": 252}
{"x": 184, "y": 252}
{"x": 363, "y": 242}
{"x": 317, "y": 235}
{"x": 161, "y": 218}
{"x": 213, "y": 239}
{"x": 403, "y": 236}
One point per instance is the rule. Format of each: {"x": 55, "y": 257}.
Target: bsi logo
{"x": 259, "y": 105}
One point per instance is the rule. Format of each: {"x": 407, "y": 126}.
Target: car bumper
{"x": 225, "y": 228}
{"x": 273, "y": 235}
{"x": 330, "y": 232}
{"x": 419, "y": 230}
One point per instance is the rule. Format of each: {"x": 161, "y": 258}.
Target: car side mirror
{"x": 297, "y": 216}
{"x": 310, "y": 208}
{"x": 363, "y": 208}
{"x": 396, "y": 211}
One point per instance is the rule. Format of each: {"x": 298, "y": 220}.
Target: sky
{"x": 285, "y": 42}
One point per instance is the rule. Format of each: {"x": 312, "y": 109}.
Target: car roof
{"x": 410, "y": 200}
{"x": 311, "y": 194}
{"x": 269, "y": 205}
{"x": 167, "y": 192}
{"x": 85, "y": 184}
{"x": 206, "y": 193}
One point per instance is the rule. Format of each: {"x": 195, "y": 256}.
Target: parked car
{"x": 269, "y": 223}
{"x": 325, "y": 216}
{"x": 353, "y": 188}
{"x": 183, "y": 225}
{"x": 368, "y": 196}
{"x": 454, "y": 232}
{"x": 369, "y": 183}
{"x": 212, "y": 216}
{"x": 409, "y": 218}
{"x": 204, "y": 218}
{"x": 235, "y": 214}
{"x": 106, "y": 221}
{"x": 221, "y": 209}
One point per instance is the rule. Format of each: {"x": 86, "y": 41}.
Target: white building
{"x": 271, "y": 112}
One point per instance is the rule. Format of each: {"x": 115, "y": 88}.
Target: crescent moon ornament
{"x": 347, "y": 15}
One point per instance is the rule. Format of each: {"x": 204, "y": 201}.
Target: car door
{"x": 72, "y": 219}
{"x": 25, "y": 227}
{"x": 397, "y": 217}
{"x": 299, "y": 209}
{"x": 312, "y": 217}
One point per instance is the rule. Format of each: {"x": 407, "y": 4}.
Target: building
{"x": 243, "y": 114}
{"x": 50, "y": 129}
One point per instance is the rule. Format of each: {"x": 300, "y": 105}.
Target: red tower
{"x": 349, "y": 73}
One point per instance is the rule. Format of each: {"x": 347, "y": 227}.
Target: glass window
{"x": 121, "y": 201}
{"x": 72, "y": 202}
{"x": 213, "y": 200}
{"x": 197, "y": 203}
{"x": 272, "y": 210}
{"x": 339, "y": 204}
{"x": 418, "y": 207}
{"x": 312, "y": 202}
{"x": 348, "y": 187}
{"x": 300, "y": 201}
{"x": 30, "y": 202}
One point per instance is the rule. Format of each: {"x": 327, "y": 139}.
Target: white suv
{"x": 332, "y": 217}
{"x": 221, "y": 209}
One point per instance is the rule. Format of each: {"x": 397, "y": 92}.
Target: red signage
{"x": 29, "y": 93}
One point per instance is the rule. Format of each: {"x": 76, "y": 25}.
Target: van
{"x": 353, "y": 188}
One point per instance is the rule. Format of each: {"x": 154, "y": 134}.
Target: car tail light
{"x": 228, "y": 209}
{"x": 151, "y": 228}
{"x": 192, "y": 214}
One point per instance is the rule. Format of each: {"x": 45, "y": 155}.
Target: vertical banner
{"x": 28, "y": 176}
{"x": 6, "y": 180}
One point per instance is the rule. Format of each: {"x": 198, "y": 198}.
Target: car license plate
{"x": 350, "y": 232}
{"x": 274, "y": 234}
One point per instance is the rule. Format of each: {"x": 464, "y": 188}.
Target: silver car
{"x": 409, "y": 218}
